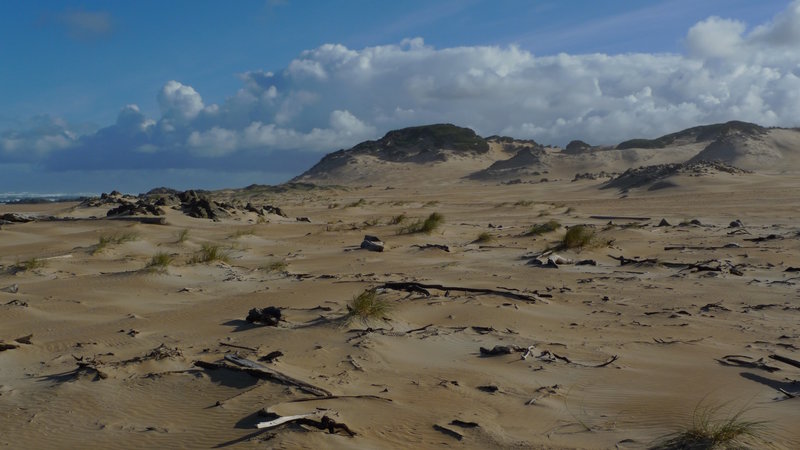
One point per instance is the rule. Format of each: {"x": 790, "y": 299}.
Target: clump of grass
{"x": 523, "y": 203}
{"x": 210, "y": 253}
{"x": 709, "y": 431}
{"x": 367, "y": 305}
{"x": 578, "y": 236}
{"x": 484, "y": 237}
{"x": 243, "y": 232}
{"x": 159, "y": 261}
{"x": 398, "y": 219}
{"x": 427, "y": 226}
{"x": 183, "y": 235}
{"x": 29, "y": 264}
{"x": 275, "y": 266}
{"x": 359, "y": 202}
{"x": 117, "y": 238}
{"x": 541, "y": 228}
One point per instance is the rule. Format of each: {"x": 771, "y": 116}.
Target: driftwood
{"x": 770, "y": 237}
{"x": 326, "y": 423}
{"x": 738, "y": 361}
{"x": 502, "y": 350}
{"x": 427, "y": 246}
{"x": 700, "y": 247}
{"x": 262, "y": 372}
{"x": 335, "y": 397}
{"x": 637, "y": 219}
{"x": 225, "y": 344}
{"x": 449, "y": 432}
{"x": 785, "y": 360}
{"x": 422, "y": 288}
{"x": 623, "y": 261}
{"x": 547, "y": 355}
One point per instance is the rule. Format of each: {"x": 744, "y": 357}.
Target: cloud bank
{"x": 333, "y": 97}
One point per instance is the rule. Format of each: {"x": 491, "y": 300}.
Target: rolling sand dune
{"x": 618, "y": 353}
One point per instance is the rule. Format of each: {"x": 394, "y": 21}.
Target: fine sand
{"x": 111, "y": 360}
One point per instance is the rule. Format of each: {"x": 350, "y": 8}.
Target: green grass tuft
{"x": 710, "y": 431}
{"x": 116, "y": 238}
{"x": 275, "y": 266}
{"x": 398, "y": 219}
{"x": 541, "y": 228}
{"x": 367, "y": 305}
{"x": 355, "y": 204}
{"x": 183, "y": 235}
{"x": 159, "y": 261}
{"x": 29, "y": 264}
{"x": 427, "y": 226}
{"x": 578, "y": 236}
{"x": 210, "y": 253}
{"x": 483, "y": 238}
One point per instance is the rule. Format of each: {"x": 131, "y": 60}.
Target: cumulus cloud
{"x": 333, "y": 97}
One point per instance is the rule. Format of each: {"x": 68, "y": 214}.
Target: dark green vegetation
{"x": 210, "y": 253}
{"x": 541, "y": 228}
{"x": 427, "y": 226}
{"x": 708, "y": 431}
{"x": 696, "y": 134}
{"x": 367, "y": 305}
{"x": 578, "y": 236}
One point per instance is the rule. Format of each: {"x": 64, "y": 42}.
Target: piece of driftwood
{"x": 785, "y": 360}
{"x": 24, "y": 339}
{"x": 449, "y": 432}
{"x": 259, "y": 371}
{"x": 225, "y": 344}
{"x": 623, "y": 261}
{"x": 502, "y": 350}
{"x": 284, "y": 419}
{"x": 12, "y": 289}
{"x": 787, "y": 393}
{"x": 437, "y": 246}
{"x": 635, "y": 219}
{"x": 326, "y": 423}
{"x": 676, "y": 341}
{"x": 335, "y": 397}
{"x": 422, "y": 288}
{"x": 547, "y": 355}
{"x": 770, "y": 237}
{"x": 742, "y": 361}
{"x": 701, "y": 247}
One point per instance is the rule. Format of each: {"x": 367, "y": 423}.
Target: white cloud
{"x": 333, "y": 97}
{"x": 179, "y": 101}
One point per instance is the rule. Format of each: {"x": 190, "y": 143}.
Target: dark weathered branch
{"x": 264, "y": 373}
{"x": 785, "y": 360}
{"x": 422, "y": 288}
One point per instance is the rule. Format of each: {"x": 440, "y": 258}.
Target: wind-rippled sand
{"x": 669, "y": 326}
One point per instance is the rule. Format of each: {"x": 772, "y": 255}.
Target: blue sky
{"x": 101, "y": 95}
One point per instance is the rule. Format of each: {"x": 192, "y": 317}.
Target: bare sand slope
{"x": 111, "y": 360}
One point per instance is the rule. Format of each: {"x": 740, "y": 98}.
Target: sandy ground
{"x": 99, "y": 312}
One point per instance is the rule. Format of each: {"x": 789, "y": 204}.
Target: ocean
{"x": 31, "y": 197}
